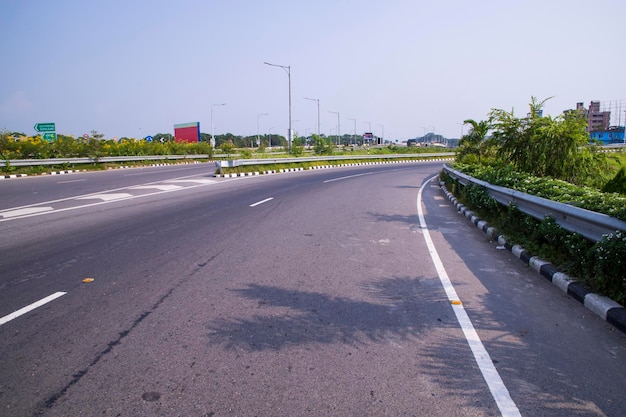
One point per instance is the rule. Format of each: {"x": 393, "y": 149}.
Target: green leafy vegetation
{"x": 554, "y": 159}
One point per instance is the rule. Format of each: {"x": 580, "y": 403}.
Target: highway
{"x": 354, "y": 291}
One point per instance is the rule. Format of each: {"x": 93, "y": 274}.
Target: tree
{"x": 97, "y": 136}
{"x": 297, "y": 149}
{"x": 4, "y": 143}
{"x": 475, "y": 142}
{"x": 227, "y": 148}
{"x": 322, "y": 146}
{"x": 544, "y": 146}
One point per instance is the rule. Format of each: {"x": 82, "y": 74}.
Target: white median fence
{"x": 269, "y": 161}
{"x": 224, "y": 163}
{"x": 587, "y": 223}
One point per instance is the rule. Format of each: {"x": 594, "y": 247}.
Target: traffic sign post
{"x": 45, "y": 127}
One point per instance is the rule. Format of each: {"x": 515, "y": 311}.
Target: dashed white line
{"x": 348, "y": 177}
{"x": 261, "y": 202}
{"x": 67, "y": 182}
{"x": 499, "y": 391}
{"x": 195, "y": 181}
{"x": 30, "y": 307}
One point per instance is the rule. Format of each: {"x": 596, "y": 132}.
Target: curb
{"x": 609, "y": 310}
{"x": 71, "y": 171}
{"x": 6, "y": 177}
{"x": 248, "y": 174}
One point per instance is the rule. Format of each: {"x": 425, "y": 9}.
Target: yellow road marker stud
{"x": 86, "y": 280}
{"x": 456, "y": 302}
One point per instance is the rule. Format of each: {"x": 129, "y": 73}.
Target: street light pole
{"x": 354, "y": 136}
{"x": 287, "y": 69}
{"x": 338, "y": 134}
{"x": 258, "y": 137}
{"x": 318, "y": 112}
{"x": 212, "y": 136}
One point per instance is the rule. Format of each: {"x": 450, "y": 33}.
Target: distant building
{"x": 614, "y": 134}
{"x": 596, "y": 120}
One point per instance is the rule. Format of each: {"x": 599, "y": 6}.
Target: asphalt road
{"x": 301, "y": 294}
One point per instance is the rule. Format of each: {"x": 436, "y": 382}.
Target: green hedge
{"x": 600, "y": 265}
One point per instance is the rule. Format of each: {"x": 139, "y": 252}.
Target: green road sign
{"x": 45, "y": 127}
{"x": 49, "y": 136}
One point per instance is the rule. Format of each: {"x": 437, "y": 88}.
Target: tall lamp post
{"x": 354, "y": 136}
{"x": 338, "y": 134}
{"x": 212, "y": 136}
{"x": 258, "y": 137}
{"x": 287, "y": 69}
{"x": 318, "y": 112}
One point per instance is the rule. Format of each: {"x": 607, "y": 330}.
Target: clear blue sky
{"x": 134, "y": 67}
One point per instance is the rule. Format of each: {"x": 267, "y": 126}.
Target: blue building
{"x": 614, "y": 134}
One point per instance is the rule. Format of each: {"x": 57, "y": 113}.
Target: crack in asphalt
{"x": 51, "y": 401}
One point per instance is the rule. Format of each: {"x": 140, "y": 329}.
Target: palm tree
{"x": 474, "y": 142}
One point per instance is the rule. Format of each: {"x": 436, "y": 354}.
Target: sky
{"x": 398, "y": 68}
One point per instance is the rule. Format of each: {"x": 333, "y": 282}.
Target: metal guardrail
{"x": 266, "y": 161}
{"x": 90, "y": 160}
{"x": 229, "y": 163}
{"x": 587, "y": 223}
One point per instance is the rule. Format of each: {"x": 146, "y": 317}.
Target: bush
{"x": 617, "y": 184}
{"x": 601, "y": 265}
{"x": 608, "y": 271}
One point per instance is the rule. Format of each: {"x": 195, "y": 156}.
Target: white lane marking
{"x": 349, "y": 176}
{"x": 66, "y": 182}
{"x": 261, "y": 202}
{"x": 106, "y": 197}
{"x": 24, "y": 211}
{"x": 499, "y": 392}
{"x": 162, "y": 187}
{"x": 30, "y": 307}
{"x": 197, "y": 181}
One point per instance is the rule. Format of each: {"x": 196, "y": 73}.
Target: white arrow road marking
{"x": 24, "y": 211}
{"x": 106, "y": 197}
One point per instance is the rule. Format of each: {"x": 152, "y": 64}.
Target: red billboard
{"x": 187, "y": 132}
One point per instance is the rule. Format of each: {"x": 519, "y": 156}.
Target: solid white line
{"x": 349, "y": 176}
{"x": 498, "y": 390}
{"x": 30, "y": 307}
{"x": 261, "y": 202}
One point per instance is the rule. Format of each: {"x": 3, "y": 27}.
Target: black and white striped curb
{"x": 6, "y": 177}
{"x": 47, "y": 173}
{"x": 71, "y": 171}
{"x": 609, "y": 310}
{"x": 280, "y": 171}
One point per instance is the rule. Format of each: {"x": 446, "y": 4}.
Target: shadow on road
{"x": 396, "y": 308}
